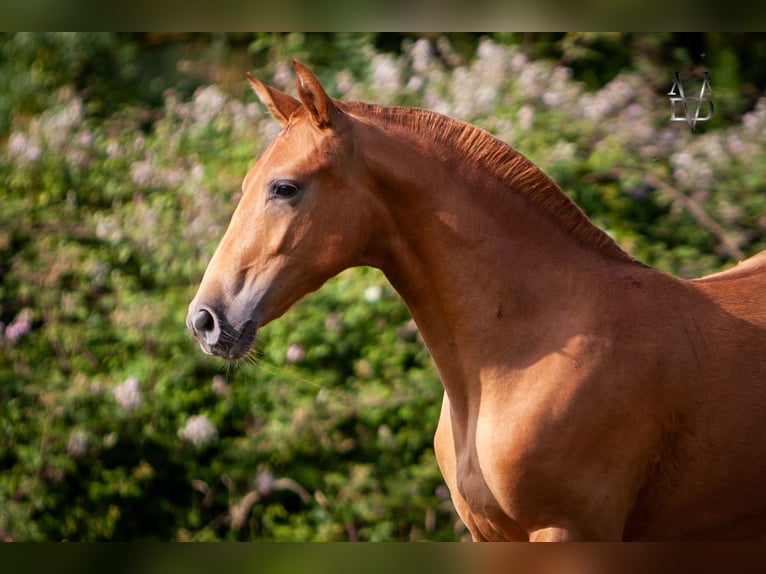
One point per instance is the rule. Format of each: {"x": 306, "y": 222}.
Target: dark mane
{"x": 489, "y": 154}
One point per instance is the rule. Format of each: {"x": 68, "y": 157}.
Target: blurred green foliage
{"x": 122, "y": 156}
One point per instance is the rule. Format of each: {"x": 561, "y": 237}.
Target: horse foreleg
{"x": 553, "y": 534}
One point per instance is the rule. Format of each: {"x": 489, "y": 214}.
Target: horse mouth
{"x": 242, "y": 344}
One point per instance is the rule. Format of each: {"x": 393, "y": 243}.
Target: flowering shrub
{"x": 114, "y": 426}
{"x": 198, "y": 430}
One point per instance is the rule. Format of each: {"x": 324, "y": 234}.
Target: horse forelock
{"x": 479, "y": 150}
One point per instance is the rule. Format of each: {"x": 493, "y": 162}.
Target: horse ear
{"x": 319, "y": 105}
{"x": 280, "y": 104}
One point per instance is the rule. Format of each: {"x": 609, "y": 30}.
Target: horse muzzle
{"x": 217, "y": 336}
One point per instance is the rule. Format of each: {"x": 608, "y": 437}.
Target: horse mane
{"x": 482, "y": 151}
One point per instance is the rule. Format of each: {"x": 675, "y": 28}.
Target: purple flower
{"x": 20, "y": 326}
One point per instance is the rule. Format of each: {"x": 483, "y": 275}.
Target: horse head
{"x": 302, "y": 218}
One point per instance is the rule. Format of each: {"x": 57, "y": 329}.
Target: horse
{"x": 587, "y": 396}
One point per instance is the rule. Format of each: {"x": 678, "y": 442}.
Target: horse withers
{"x": 587, "y": 396}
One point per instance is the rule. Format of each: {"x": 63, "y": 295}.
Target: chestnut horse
{"x": 587, "y": 396}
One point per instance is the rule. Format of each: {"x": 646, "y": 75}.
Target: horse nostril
{"x": 206, "y": 326}
{"x": 204, "y": 321}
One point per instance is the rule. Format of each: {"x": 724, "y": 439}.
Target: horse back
{"x": 741, "y": 290}
{"x": 706, "y": 477}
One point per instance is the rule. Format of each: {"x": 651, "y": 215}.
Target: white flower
{"x": 22, "y": 148}
{"x": 518, "y": 61}
{"x": 142, "y": 173}
{"x": 283, "y": 74}
{"x": 634, "y": 112}
{"x": 220, "y": 386}
{"x": 198, "y": 430}
{"x": 113, "y": 149}
{"x": 422, "y": 55}
{"x": 110, "y": 439}
{"x": 198, "y": 172}
{"x": 595, "y": 108}
{"x": 385, "y": 74}
{"x": 373, "y": 293}
{"x": 57, "y": 127}
{"x": 174, "y": 177}
{"x": 295, "y": 353}
{"x": 344, "y": 82}
{"x": 128, "y": 393}
{"x": 415, "y": 83}
{"x": 208, "y": 103}
{"x": 85, "y": 139}
{"x": 532, "y": 79}
{"x": 264, "y": 482}
{"x": 683, "y": 159}
{"x": 750, "y": 121}
{"x": 620, "y": 92}
{"x": 489, "y": 51}
{"x": 334, "y": 322}
{"x": 562, "y": 152}
{"x": 553, "y": 99}
{"x": 525, "y": 117}
{"x": 108, "y": 228}
{"x": 735, "y": 145}
{"x": 77, "y": 445}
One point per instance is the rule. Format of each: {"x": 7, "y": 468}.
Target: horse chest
{"x": 511, "y": 479}
{"x": 482, "y": 511}
{"x": 478, "y": 491}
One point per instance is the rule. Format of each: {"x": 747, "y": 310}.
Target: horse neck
{"x": 478, "y": 264}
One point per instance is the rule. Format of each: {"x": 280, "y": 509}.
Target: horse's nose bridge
{"x": 227, "y": 271}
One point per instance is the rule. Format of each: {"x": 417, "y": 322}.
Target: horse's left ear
{"x": 316, "y": 101}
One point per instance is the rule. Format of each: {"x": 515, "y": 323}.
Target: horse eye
{"x": 284, "y": 189}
